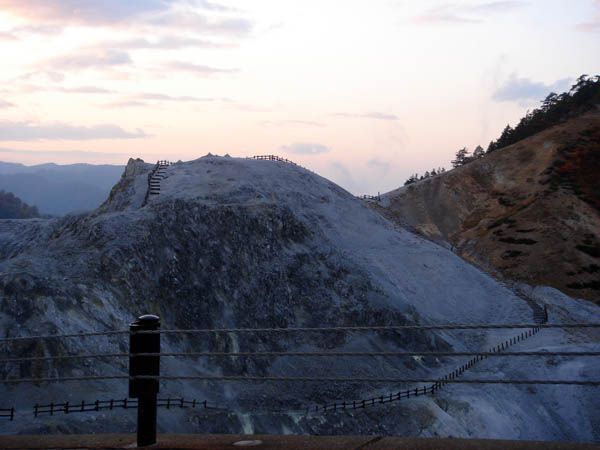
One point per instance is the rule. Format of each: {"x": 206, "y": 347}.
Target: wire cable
{"x": 366, "y": 353}
{"x": 296, "y": 379}
{"x": 60, "y": 336}
{"x": 371, "y": 328}
{"x": 308, "y": 329}
{"x": 267, "y": 354}
{"x": 66, "y": 357}
{"x": 363, "y": 379}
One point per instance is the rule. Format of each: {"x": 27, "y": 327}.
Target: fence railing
{"x": 273, "y": 158}
{"x": 7, "y": 413}
{"x": 144, "y": 369}
{"x": 370, "y": 197}
{"x": 124, "y": 403}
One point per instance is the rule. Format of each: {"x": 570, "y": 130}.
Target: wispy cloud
{"x": 305, "y": 148}
{"x": 371, "y": 115}
{"x": 175, "y": 98}
{"x": 84, "y": 12}
{"x": 197, "y": 69}
{"x": 279, "y": 123}
{"x": 379, "y": 165}
{"x": 179, "y": 15}
{"x": 84, "y": 90}
{"x": 211, "y": 6}
{"x": 7, "y": 36}
{"x": 43, "y": 29}
{"x": 31, "y": 88}
{"x": 341, "y": 175}
{"x": 591, "y": 25}
{"x": 162, "y": 43}
{"x": 86, "y": 59}
{"x": 126, "y": 104}
{"x": 41, "y": 75}
{"x": 453, "y": 13}
{"x": 30, "y": 131}
{"x": 524, "y": 90}
{"x": 5, "y": 104}
{"x": 201, "y": 24}
{"x": 145, "y": 99}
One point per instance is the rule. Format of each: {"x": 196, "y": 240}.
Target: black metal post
{"x": 145, "y": 390}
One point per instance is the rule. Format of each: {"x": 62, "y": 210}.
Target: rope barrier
{"x": 373, "y": 328}
{"x": 66, "y": 336}
{"x": 364, "y": 379}
{"x": 310, "y": 329}
{"x": 382, "y": 353}
{"x": 66, "y": 357}
{"x": 298, "y": 354}
{"x": 296, "y": 379}
{"x": 64, "y": 379}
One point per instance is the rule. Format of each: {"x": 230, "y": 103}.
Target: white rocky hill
{"x": 234, "y": 242}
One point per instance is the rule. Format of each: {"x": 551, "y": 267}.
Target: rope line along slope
{"x": 452, "y": 377}
{"x": 310, "y": 329}
{"x": 437, "y": 383}
{"x": 267, "y": 354}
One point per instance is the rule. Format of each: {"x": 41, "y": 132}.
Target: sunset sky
{"x": 362, "y": 92}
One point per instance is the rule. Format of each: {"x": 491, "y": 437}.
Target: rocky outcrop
{"x": 530, "y": 211}
{"x": 130, "y": 190}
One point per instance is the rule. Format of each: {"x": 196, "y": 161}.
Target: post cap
{"x": 147, "y": 321}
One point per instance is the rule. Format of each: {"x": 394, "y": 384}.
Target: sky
{"x": 363, "y": 93}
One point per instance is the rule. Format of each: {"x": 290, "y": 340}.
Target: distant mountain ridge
{"x": 60, "y": 189}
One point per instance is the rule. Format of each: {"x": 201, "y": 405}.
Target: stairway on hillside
{"x": 157, "y": 175}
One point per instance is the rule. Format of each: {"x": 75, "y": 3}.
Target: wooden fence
{"x": 370, "y": 197}
{"x": 124, "y": 403}
{"x": 273, "y": 158}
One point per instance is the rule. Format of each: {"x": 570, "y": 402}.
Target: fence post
{"x": 145, "y": 390}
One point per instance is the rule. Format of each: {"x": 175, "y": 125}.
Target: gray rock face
{"x": 240, "y": 243}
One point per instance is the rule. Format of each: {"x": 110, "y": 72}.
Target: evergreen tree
{"x": 478, "y": 152}
{"x": 583, "y": 96}
{"x": 461, "y": 158}
{"x": 411, "y": 179}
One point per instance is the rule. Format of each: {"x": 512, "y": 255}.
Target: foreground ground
{"x": 221, "y": 442}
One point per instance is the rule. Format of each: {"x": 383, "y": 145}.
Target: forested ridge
{"x": 583, "y": 96}
{"x": 12, "y": 207}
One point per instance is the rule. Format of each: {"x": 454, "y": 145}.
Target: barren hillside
{"x": 230, "y": 242}
{"x": 530, "y": 211}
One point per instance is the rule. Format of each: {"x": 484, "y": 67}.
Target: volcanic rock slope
{"x": 234, "y": 242}
{"x": 530, "y": 211}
